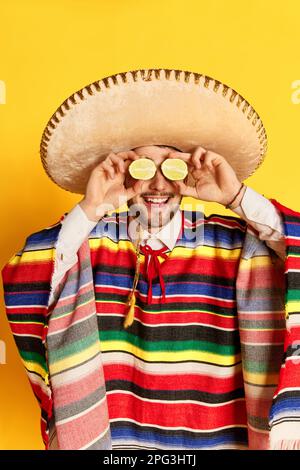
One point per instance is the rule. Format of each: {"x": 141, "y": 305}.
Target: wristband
{"x": 232, "y": 201}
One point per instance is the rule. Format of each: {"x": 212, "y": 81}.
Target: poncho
{"x": 213, "y": 367}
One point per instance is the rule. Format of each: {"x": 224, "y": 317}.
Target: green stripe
{"x": 169, "y": 346}
{"x": 295, "y": 254}
{"x": 260, "y": 367}
{"x": 29, "y": 356}
{"x": 73, "y": 348}
{"x": 293, "y": 294}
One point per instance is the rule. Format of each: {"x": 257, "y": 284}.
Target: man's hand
{"x": 215, "y": 179}
{"x": 105, "y": 190}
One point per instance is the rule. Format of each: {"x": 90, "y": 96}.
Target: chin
{"x": 154, "y": 215}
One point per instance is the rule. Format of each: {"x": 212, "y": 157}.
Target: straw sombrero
{"x": 146, "y": 107}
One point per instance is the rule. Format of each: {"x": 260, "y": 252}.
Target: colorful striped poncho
{"x": 214, "y": 367}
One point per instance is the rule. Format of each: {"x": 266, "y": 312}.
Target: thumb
{"x": 185, "y": 190}
{"x": 135, "y": 189}
{"x": 182, "y": 188}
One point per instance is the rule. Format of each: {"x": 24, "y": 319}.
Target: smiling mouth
{"x": 156, "y": 201}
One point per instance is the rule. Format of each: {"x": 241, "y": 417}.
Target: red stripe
{"x": 189, "y": 415}
{"x": 174, "y": 265}
{"x": 262, "y": 336}
{"x": 177, "y": 381}
{"x": 210, "y": 319}
{"x": 28, "y": 272}
{"x": 27, "y": 329}
{"x": 292, "y": 241}
{"x": 17, "y": 310}
{"x": 285, "y": 209}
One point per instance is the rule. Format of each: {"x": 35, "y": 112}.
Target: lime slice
{"x": 174, "y": 169}
{"x": 142, "y": 169}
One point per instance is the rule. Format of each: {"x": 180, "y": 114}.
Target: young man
{"x": 194, "y": 361}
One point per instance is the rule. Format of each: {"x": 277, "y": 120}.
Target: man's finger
{"x": 198, "y": 156}
{"x": 185, "y": 190}
{"x": 119, "y": 162}
{"x": 130, "y": 154}
{"x": 109, "y": 169}
{"x": 183, "y": 155}
{"x": 133, "y": 155}
{"x": 134, "y": 190}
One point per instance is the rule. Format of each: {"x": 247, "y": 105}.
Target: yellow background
{"x": 51, "y": 48}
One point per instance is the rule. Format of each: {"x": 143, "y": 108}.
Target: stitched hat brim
{"x": 146, "y": 107}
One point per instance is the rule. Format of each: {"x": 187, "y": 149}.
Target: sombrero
{"x": 147, "y": 107}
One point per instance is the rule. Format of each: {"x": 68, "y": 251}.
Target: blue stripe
{"x": 25, "y": 298}
{"x": 292, "y": 229}
{"x": 172, "y": 288}
{"x": 286, "y": 405}
{"x": 152, "y": 438}
{"x": 44, "y": 239}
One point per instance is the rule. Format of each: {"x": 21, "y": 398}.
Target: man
{"x": 110, "y": 185}
{"x": 196, "y": 363}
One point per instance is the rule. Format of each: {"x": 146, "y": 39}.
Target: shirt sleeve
{"x": 263, "y": 216}
{"x": 76, "y": 227}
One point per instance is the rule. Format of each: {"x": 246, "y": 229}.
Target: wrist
{"x": 233, "y": 201}
{"x": 94, "y": 212}
{"x": 238, "y": 200}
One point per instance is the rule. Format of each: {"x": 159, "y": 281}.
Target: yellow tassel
{"x": 130, "y": 314}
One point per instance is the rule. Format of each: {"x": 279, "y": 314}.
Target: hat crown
{"x": 147, "y": 107}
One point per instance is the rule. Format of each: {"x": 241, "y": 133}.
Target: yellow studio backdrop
{"x": 52, "y": 48}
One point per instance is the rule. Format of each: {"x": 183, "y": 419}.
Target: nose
{"x": 158, "y": 182}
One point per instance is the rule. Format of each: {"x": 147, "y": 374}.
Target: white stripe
{"x": 104, "y": 314}
{"x": 223, "y": 224}
{"x": 288, "y": 389}
{"x": 114, "y": 287}
{"x": 26, "y": 306}
{"x": 81, "y": 371}
{"x": 198, "y": 368}
{"x": 262, "y": 344}
{"x": 141, "y": 445}
{"x": 295, "y": 358}
{"x": 175, "y": 402}
{"x": 177, "y": 428}
{"x": 262, "y": 431}
{"x": 37, "y": 379}
{"x": 95, "y": 440}
{"x": 27, "y": 335}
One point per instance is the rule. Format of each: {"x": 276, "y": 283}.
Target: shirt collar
{"x": 168, "y": 234}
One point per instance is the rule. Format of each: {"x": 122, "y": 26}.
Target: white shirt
{"x": 258, "y": 211}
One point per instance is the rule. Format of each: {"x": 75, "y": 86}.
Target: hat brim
{"x": 147, "y": 107}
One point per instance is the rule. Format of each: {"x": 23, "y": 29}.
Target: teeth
{"x": 156, "y": 200}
